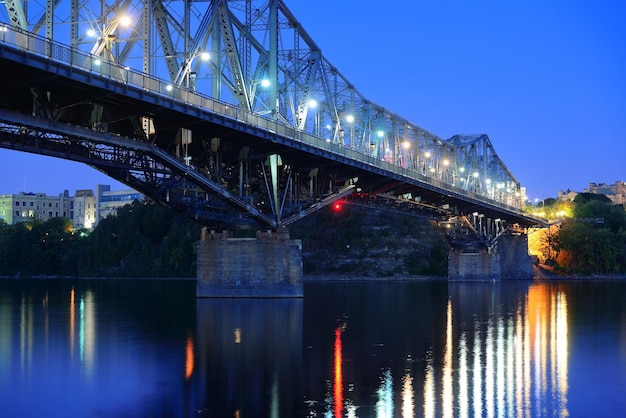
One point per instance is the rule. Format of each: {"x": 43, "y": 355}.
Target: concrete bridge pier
{"x": 269, "y": 265}
{"x": 508, "y": 259}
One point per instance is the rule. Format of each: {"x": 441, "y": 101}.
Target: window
{"x": 17, "y": 203}
{"x": 17, "y": 213}
{"x": 32, "y": 204}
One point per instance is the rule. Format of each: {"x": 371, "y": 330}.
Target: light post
{"x": 106, "y": 39}
{"x": 188, "y": 76}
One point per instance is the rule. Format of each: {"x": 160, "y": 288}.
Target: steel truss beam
{"x": 150, "y": 170}
{"x": 269, "y": 65}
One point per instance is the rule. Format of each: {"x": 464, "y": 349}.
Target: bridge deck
{"x": 67, "y": 87}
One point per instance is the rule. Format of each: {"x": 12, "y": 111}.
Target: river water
{"x": 149, "y": 348}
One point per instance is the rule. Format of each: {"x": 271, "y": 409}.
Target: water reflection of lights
{"x": 407, "y": 396}
{"x": 338, "y": 387}
{"x": 447, "y": 400}
{"x": 189, "y": 358}
{"x": 429, "y": 387}
{"x": 86, "y": 329}
{"x": 384, "y": 404}
{"x": 509, "y": 365}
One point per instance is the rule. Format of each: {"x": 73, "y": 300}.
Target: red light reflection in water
{"x": 338, "y": 374}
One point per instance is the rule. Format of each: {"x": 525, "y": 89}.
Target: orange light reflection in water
{"x": 338, "y": 374}
{"x": 189, "y": 358}
{"x": 72, "y": 317}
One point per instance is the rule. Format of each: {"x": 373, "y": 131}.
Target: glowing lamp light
{"x": 169, "y": 87}
{"x": 125, "y": 21}
{"x": 350, "y": 118}
{"x": 446, "y": 162}
{"x": 427, "y": 154}
{"x": 205, "y": 56}
{"x": 312, "y": 104}
{"x": 336, "y": 206}
{"x": 475, "y": 175}
{"x": 91, "y": 33}
{"x": 406, "y": 145}
{"x": 265, "y": 83}
{"x": 380, "y": 134}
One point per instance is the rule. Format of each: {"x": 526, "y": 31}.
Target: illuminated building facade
{"x": 84, "y": 209}
{"x": 22, "y": 207}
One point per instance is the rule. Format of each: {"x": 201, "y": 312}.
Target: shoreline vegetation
{"x": 147, "y": 240}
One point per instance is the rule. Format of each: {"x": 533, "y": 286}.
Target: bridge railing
{"x": 65, "y": 55}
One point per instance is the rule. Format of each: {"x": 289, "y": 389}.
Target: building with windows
{"x": 83, "y": 213}
{"x": 84, "y": 209}
{"x": 616, "y": 192}
{"x": 22, "y": 207}
{"x": 107, "y": 200}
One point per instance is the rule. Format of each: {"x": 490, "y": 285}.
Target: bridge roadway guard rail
{"x": 34, "y": 50}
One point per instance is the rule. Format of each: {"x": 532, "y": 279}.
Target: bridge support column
{"x": 508, "y": 259}
{"x": 269, "y": 265}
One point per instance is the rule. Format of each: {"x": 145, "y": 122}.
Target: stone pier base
{"x": 269, "y": 265}
{"x": 509, "y": 259}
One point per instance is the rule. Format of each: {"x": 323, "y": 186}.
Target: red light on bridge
{"x": 336, "y": 206}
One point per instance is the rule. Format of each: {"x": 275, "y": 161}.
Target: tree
{"x": 594, "y": 241}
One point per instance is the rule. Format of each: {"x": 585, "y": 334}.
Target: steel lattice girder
{"x": 263, "y": 60}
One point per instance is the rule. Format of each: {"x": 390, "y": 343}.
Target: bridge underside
{"x": 216, "y": 167}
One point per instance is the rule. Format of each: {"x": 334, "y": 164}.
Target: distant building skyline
{"x": 85, "y": 209}
{"x": 616, "y": 192}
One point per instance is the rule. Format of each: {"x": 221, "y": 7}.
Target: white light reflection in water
{"x": 429, "y": 387}
{"x": 518, "y": 364}
{"x": 86, "y": 330}
{"x": 463, "y": 372}
{"x": 513, "y": 364}
{"x": 477, "y": 372}
{"x": 384, "y": 405}
{"x": 408, "y": 405}
{"x": 489, "y": 370}
{"x": 26, "y": 336}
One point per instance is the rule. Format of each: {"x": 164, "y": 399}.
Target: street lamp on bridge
{"x": 188, "y": 76}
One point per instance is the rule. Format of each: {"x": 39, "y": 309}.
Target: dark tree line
{"x": 142, "y": 240}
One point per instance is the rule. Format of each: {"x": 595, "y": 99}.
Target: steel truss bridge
{"x": 227, "y": 111}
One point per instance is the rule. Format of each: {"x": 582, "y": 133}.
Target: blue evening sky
{"x": 545, "y": 79}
